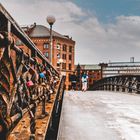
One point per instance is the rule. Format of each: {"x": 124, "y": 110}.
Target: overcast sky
{"x": 104, "y": 30}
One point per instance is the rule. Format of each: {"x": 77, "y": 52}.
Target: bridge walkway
{"x": 99, "y": 115}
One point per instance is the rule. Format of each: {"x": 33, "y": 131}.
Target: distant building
{"x": 63, "y": 49}
{"x": 120, "y": 68}
{"x": 93, "y": 71}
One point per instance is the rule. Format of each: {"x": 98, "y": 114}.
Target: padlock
{"x": 42, "y": 75}
{"x": 29, "y": 83}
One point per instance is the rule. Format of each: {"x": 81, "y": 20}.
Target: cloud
{"x": 29, "y": 11}
{"x": 95, "y": 42}
{"x": 116, "y": 42}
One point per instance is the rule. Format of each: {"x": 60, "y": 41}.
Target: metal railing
{"x": 122, "y": 83}
{"x": 26, "y": 80}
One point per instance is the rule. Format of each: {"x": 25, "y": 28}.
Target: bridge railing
{"x": 122, "y": 83}
{"x": 26, "y": 79}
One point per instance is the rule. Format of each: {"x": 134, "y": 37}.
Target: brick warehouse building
{"x": 63, "y": 48}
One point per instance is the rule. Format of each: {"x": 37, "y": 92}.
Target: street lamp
{"x": 51, "y": 21}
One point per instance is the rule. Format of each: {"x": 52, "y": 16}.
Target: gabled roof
{"x": 41, "y": 31}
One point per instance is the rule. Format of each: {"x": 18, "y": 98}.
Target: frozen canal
{"x": 100, "y": 115}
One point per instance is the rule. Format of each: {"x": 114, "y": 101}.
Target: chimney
{"x": 132, "y": 59}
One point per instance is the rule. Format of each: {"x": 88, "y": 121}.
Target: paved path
{"x": 100, "y": 115}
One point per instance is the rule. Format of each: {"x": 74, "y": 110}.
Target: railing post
{"x": 130, "y": 84}
{"x": 32, "y": 122}
{"x": 123, "y": 84}
{"x": 117, "y": 84}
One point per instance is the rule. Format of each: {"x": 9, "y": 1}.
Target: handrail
{"x": 122, "y": 83}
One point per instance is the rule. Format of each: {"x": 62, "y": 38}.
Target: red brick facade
{"x": 63, "y": 48}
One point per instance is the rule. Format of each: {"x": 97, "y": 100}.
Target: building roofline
{"x": 55, "y": 34}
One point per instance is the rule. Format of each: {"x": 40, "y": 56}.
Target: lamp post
{"x": 51, "y": 21}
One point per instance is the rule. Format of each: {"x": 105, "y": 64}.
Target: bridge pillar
{"x": 103, "y": 87}
{"x": 123, "y": 89}
{"x": 117, "y": 87}
{"x": 99, "y": 88}
{"x": 109, "y": 85}
{"x": 113, "y": 87}
{"x": 130, "y": 85}
{"x": 138, "y": 85}
{"x": 123, "y": 84}
{"x": 106, "y": 86}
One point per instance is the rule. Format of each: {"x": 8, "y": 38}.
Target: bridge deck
{"x": 100, "y": 115}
